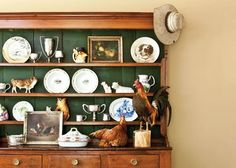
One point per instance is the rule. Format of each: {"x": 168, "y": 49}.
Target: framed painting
{"x": 42, "y": 127}
{"x": 105, "y": 49}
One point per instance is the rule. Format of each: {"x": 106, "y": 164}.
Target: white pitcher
{"x": 144, "y": 79}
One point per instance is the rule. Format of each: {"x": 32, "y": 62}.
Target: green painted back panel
{"x": 70, "y": 39}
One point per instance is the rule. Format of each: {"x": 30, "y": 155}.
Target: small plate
{"x": 20, "y": 108}
{"x": 85, "y": 81}
{"x": 122, "y": 106}
{"x": 16, "y": 50}
{"x": 56, "y": 81}
{"x": 145, "y": 50}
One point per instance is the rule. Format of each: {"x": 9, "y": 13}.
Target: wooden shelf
{"x": 70, "y": 94}
{"x": 80, "y": 65}
{"x": 85, "y": 123}
{"x": 8, "y": 122}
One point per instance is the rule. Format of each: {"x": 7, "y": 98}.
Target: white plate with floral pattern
{"x": 20, "y": 108}
{"x": 122, "y": 107}
{"x": 16, "y": 50}
{"x": 85, "y": 81}
{"x": 56, "y": 81}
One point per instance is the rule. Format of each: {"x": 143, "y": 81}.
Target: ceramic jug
{"x": 144, "y": 79}
{"x": 4, "y": 87}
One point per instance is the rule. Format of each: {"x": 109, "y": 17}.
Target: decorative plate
{"x": 145, "y": 50}
{"x": 85, "y": 81}
{"x": 122, "y": 107}
{"x": 56, "y": 81}
{"x": 20, "y": 108}
{"x": 16, "y": 50}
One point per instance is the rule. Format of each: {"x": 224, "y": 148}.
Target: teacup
{"x": 81, "y": 117}
{"x": 106, "y": 117}
{"x": 4, "y": 87}
{"x": 35, "y": 56}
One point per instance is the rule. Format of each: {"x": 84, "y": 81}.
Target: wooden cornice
{"x": 77, "y": 20}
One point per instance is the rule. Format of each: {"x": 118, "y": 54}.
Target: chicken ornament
{"x": 149, "y": 112}
{"x": 117, "y": 136}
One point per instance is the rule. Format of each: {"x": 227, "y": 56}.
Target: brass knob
{"x": 74, "y": 162}
{"x": 133, "y": 162}
{"x": 16, "y": 162}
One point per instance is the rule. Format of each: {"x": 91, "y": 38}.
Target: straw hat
{"x": 168, "y": 23}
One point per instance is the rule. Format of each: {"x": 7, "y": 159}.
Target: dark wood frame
{"x": 117, "y": 39}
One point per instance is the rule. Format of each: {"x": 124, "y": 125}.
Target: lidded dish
{"x": 73, "y": 138}
{"x": 14, "y": 140}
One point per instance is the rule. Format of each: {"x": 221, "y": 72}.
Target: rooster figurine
{"x": 147, "y": 111}
{"x": 142, "y": 106}
{"x": 117, "y": 136}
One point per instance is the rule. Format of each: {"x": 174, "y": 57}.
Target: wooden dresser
{"x": 91, "y": 157}
{"x": 73, "y": 28}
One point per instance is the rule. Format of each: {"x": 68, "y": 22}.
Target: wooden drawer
{"x": 21, "y": 161}
{"x": 67, "y": 161}
{"x": 137, "y": 161}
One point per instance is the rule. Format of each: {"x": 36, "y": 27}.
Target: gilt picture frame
{"x": 43, "y": 127}
{"x": 105, "y": 49}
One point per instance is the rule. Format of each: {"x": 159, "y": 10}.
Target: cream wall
{"x": 201, "y": 74}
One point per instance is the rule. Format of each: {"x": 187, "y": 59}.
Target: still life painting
{"x": 105, "y": 49}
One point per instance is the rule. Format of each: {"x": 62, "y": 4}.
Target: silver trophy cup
{"x": 49, "y": 46}
{"x": 94, "y": 109}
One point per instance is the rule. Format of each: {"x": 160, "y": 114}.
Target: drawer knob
{"x": 74, "y": 162}
{"x": 133, "y": 162}
{"x": 16, "y": 162}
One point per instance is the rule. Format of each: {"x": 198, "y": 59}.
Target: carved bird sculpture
{"x": 117, "y": 136}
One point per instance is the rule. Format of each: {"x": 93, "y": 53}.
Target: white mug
{"x": 4, "y": 87}
{"x": 81, "y": 117}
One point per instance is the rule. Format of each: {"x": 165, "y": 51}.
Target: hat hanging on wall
{"x": 168, "y": 23}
